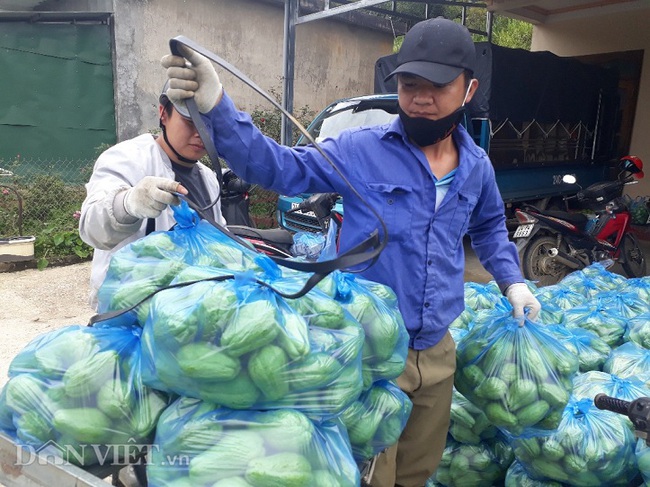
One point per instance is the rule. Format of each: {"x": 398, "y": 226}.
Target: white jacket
{"x": 121, "y": 167}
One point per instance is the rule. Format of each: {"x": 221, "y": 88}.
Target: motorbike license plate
{"x": 523, "y": 230}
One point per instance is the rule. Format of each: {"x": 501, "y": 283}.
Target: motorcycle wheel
{"x": 538, "y": 267}
{"x": 632, "y": 258}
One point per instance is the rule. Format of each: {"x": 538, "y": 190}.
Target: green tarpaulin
{"x": 56, "y": 91}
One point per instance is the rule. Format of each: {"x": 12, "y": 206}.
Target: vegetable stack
{"x": 200, "y": 444}
{"x": 374, "y": 306}
{"x": 375, "y": 420}
{"x": 238, "y": 344}
{"x": 79, "y": 389}
{"x": 217, "y": 333}
{"x": 481, "y": 465}
{"x": 263, "y": 380}
{"x": 468, "y": 424}
{"x": 520, "y": 376}
{"x": 589, "y": 448}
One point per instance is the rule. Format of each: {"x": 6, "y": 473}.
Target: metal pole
{"x": 290, "y": 16}
{"x": 490, "y": 23}
{"x": 596, "y": 126}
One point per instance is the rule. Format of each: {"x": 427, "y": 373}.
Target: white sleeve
{"x": 115, "y": 170}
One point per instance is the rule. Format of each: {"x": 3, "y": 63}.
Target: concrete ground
{"x": 475, "y": 272}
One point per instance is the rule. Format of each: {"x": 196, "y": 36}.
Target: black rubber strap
{"x": 366, "y": 252}
{"x": 151, "y": 226}
{"x": 114, "y": 314}
{"x": 198, "y": 122}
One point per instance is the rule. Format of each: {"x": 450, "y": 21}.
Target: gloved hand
{"x": 520, "y": 297}
{"x": 151, "y": 196}
{"x": 197, "y": 79}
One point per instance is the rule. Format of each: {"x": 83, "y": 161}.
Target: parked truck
{"x": 538, "y": 116}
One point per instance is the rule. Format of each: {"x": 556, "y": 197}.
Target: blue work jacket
{"x": 424, "y": 259}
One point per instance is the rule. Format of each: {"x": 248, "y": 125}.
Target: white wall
{"x": 333, "y": 59}
{"x": 612, "y": 33}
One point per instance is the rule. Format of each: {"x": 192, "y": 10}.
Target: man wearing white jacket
{"x": 133, "y": 183}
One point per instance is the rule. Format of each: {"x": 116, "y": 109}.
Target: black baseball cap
{"x": 437, "y": 50}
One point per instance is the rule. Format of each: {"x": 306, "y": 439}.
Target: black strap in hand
{"x": 366, "y": 252}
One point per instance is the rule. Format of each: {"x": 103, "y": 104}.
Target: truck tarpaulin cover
{"x": 521, "y": 86}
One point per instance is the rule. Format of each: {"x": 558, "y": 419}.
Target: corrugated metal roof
{"x": 548, "y": 11}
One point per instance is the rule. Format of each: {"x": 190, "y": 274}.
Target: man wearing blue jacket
{"x": 430, "y": 183}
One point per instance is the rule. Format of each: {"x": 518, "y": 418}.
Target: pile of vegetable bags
{"x": 590, "y": 447}
{"x": 78, "y": 391}
{"x": 520, "y": 376}
{"x": 199, "y": 443}
{"x": 610, "y": 346}
{"x": 291, "y": 381}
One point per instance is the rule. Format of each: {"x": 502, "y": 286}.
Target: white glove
{"x": 196, "y": 79}
{"x": 520, "y": 297}
{"x": 150, "y": 197}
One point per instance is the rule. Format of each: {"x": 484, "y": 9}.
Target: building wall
{"x": 333, "y": 59}
{"x": 611, "y": 33}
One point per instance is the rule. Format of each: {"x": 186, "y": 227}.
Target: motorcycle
{"x": 235, "y": 199}
{"x": 277, "y": 242}
{"x": 551, "y": 244}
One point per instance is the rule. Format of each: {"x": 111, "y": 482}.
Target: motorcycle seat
{"x": 578, "y": 219}
{"x": 273, "y": 235}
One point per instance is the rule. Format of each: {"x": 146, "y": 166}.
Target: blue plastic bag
{"x": 629, "y": 360}
{"x": 591, "y": 350}
{"x": 238, "y": 344}
{"x": 520, "y": 376}
{"x": 375, "y": 307}
{"x": 639, "y": 285}
{"x": 638, "y": 330}
{"x": 151, "y": 263}
{"x": 375, "y": 421}
{"x": 78, "y": 390}
{"x": 606, "y": 322}
{"x": 200, "y": 444}
{"x": 560, "y": 295}
{"x": 588, "y": 385}
{"x": 592, "y": 280}
{"x": 642, "y": 453}
{"x": 308, "y": 245}
{"x": 589, "y": 448}
{"x": 516, "y": 476}
{"x": 468, "y": 424}
{"x": 481, "y": 296}
{"x": 481, "y": 465}
{"x": 626, "y": 303}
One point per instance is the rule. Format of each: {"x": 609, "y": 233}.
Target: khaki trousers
{"x": 428, "y": 380}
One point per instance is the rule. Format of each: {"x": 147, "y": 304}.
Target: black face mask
{"x": 425, "y": 132}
